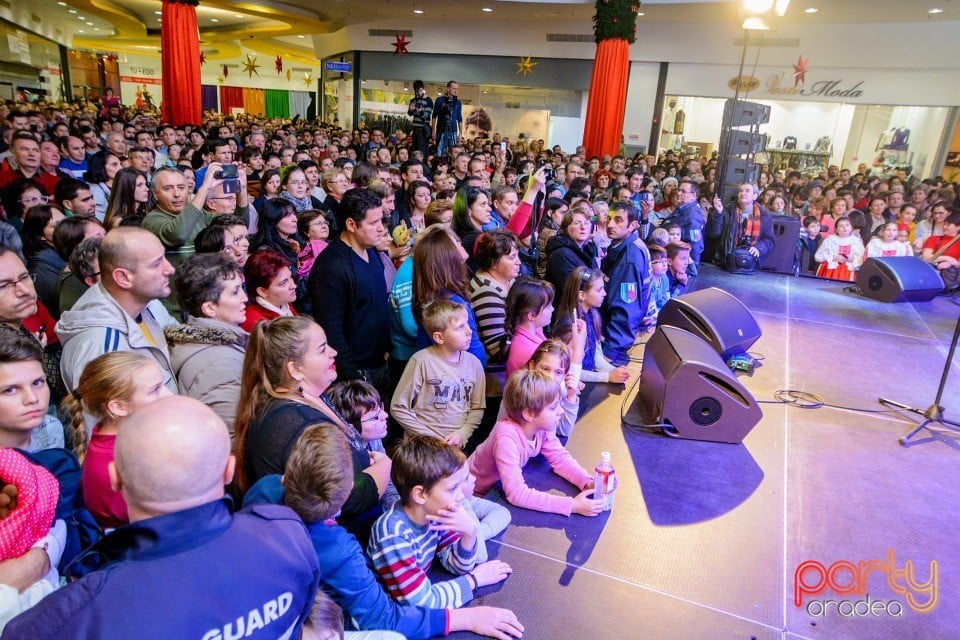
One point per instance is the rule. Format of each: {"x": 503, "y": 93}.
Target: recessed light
{"x": 62, "y": 4}
{"x": 79, "y": 30}
{"x": 81, "y": 18}
{"x": 935, "y": 11}
{"x": 239, "y": 15}
{"x": 486, "y": 9}
{"x": 71, "y": 10}
{"x": 96, "y": 28}
{"x": 214, "y": 20}
{"x": 641, "y": 14}
{"x": 301, "y": 37}
{"x": 418, "y": 11}
{"x": 811, "y": 10}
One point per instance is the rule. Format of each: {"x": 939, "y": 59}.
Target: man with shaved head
{"x": 122, "y": 312}
{"x": 185, "y": 566}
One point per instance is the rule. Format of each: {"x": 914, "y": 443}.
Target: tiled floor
{"x": 705, "y": 538}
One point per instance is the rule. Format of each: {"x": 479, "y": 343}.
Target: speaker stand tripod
{"x": 934, "y": 413}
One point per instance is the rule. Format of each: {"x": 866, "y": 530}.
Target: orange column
{"x": 608, "y": 98}
{"x": 180, "y": 55}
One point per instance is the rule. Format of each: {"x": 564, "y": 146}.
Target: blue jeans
{"x": 446, "y": 141}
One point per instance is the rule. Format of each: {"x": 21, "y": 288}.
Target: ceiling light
{"x": 486, "y": 9}
{"x": 214, "y": 20}
{"x": 96, "y": 28}
{"x": 935, "y": 11}
{"x": 781, "y": 6}
{"x": 81, "y": 18}
{"x": 71, "y": 10}
{"x": 79, "y": 30}
{"x": 758, "y": 6}
{"x": 419, "y": 12}
{"x": 158, "y": 12}
{"x": 811, "y": 10}
{"x": 239, "y": 15}
{"x": 62, "y": 4}
{"x": 301, "y": 37}
{"x": 641, "y": 14}
{"x": 756, "y": 24}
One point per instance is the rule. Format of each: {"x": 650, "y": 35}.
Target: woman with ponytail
{"x": 111, "y": 387}
{"x": 287, "y": 370}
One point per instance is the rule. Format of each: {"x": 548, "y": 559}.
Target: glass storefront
{"x": 29, "y": 66}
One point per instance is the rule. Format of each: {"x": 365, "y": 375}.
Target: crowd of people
{"x": 324, "y": 347}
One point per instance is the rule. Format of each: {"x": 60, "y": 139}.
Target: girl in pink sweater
{"x": 529, "y": 308}
{"x": 532, "y": 402}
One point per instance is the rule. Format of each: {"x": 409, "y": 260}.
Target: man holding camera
{"x": 748, "y": 227}
{"x": 691, "y": 219}
{"x": 178, "y": 218}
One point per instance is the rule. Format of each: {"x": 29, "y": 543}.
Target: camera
{"x": 548, "y": 173}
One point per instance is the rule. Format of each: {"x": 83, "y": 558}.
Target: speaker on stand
{"x": 714, "y": 316}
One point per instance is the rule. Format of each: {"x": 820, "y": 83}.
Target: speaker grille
{"x": 705, "y": 411}
{"x": 874, "y": 283}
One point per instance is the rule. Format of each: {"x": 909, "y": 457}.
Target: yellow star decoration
{"x": 308, "y": 79}
{"x": 220, "y": 79}
{"x": 289, "y": 73}
{"x": 525, "y": 65}
{"x": 250, "y": 65}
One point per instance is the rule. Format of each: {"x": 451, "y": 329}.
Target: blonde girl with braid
{"x": 111, "y": 387}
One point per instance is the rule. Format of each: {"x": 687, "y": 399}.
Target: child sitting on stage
{"x": 532, "y": 403}
{"x": 429, "y": 523}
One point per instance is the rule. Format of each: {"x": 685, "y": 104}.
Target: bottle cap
{"x": 605, "y": 456}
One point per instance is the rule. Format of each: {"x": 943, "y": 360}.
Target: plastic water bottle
{"x": 604, "y": 481}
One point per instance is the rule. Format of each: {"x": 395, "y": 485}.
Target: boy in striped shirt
{"x": 426, "y": 524}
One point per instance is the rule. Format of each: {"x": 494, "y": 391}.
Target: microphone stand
{"x": 934, "y": 414}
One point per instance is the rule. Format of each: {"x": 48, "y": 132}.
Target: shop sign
{"x": 777, "y": 86}
{"x": 140, "y": 80}
{"x": 340, "y": 67}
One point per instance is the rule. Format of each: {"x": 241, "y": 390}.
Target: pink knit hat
{"x": 37, "y": 495}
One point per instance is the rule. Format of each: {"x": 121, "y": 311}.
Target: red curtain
{"x": 608, "y": 98}
{"x": 180, "y": 55}
{"x": 231, "y": 97}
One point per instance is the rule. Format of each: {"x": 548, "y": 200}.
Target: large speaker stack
{"x": 685, "y": 383}
{"x": 740, "y": 142}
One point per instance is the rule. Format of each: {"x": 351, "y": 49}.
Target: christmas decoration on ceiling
{"x": 226, "y": 71}
{"x": 288, "y": 75}
{"x": 203, "y": 58}
{"x": 278, "y": 64}
{"x": 800, "y": 71}
{"x": 525, "y": 65}
{"x": 308, "y": 79}
{"x": 400, "y": 44}
{"x": 616, "y": 19}
{"x": 220, "y": 79}
{"x": 250, "y": 65}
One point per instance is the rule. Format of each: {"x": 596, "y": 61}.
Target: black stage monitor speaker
{"x": 786, "y": 236}
{"x": 686, "y": 385}
{"x": 741, "y": 113}
{"x": 715, "y": 316}
{"x": 905, "y": 279}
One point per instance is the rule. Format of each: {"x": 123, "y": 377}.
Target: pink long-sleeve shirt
{"x": 506, "y": 451}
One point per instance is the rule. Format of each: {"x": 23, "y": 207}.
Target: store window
{"x": 810, "y": 136}
{"x": 29, "y": 66}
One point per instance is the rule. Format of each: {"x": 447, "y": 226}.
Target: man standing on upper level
{"x": 447, "y": 119}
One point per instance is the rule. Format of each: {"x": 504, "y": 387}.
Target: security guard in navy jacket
{"x": 627, "y": 269}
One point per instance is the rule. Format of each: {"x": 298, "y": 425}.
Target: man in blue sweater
{"x": 185, "y": 566}
{"x": 316, "y": 483}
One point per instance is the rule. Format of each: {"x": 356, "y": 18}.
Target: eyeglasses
{"x": 381, "y": 413}
{"x": 35, "y": 200}
{"x": 661, "y": 261}
{"x": 22, "y": 280}
{"x": 296, "y": 182}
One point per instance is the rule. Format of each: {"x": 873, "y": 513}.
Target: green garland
{"x": 616, "y": 19}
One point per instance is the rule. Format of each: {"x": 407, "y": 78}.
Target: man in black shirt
{"x": 421, "y": 108}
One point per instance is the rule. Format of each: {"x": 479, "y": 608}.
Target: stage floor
{"x": 705, "y": 538}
